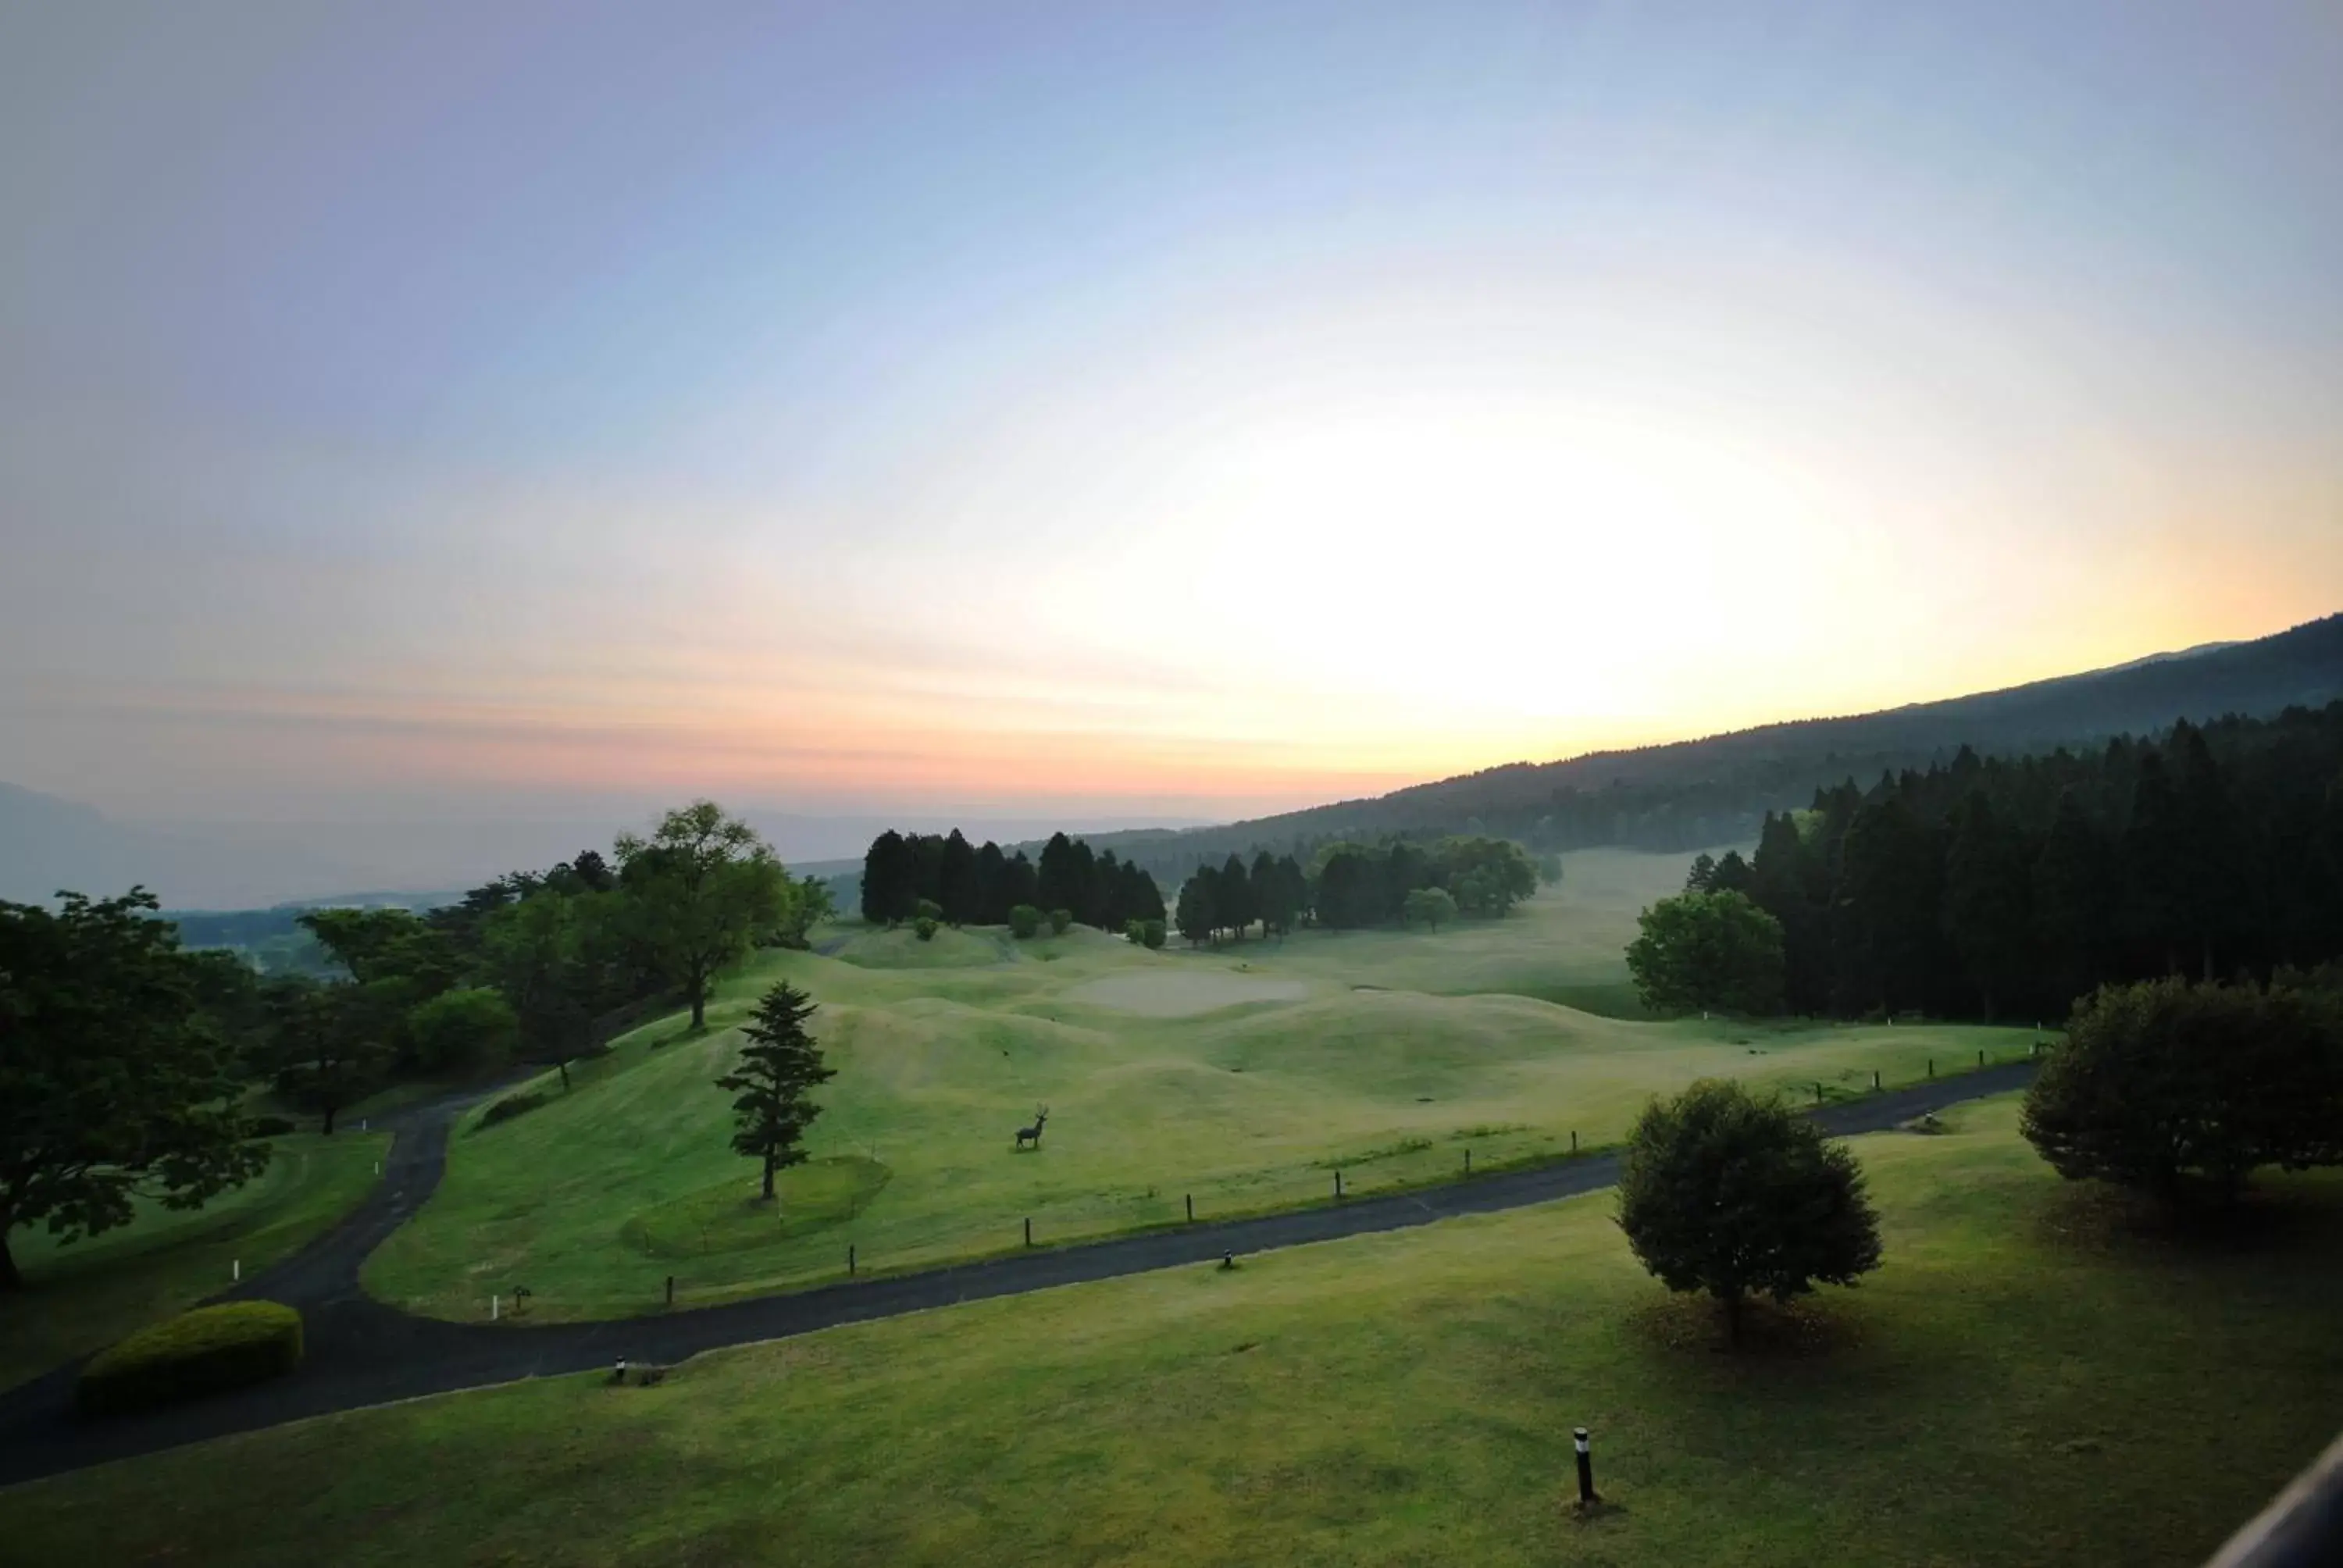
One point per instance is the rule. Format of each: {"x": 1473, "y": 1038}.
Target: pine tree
{"x": 1985, "y": 899}
{"x": 779, "y": 1068}
{"x": 1195, "y": 917}
{"x": 992, "y": 886}
{"x": 890, "y": 879}
{"x": 2073, "y": 897}
{"x": 1061, "y": 882}
{"x": 958, "y": 871}
{"x": 1232, "y": 896}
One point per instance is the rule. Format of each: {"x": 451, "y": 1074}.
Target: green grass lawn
{"x": 2026, "y": 1381}
{"x": 83, "y": 1295}
{"x": 1244, "y": 1077}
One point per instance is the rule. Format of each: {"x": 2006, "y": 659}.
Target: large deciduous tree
{"x": 780, "y": 1066}
{"x": 1430, "y": 905}
{"x": 113, "y": 1082}
{"x": 2163, "y": 1085}
{"x": 1739, "y": 1196}
{"x": 1703, "y": 950}
{"x": 703, "y": 885}
{"x": 330, "y": 1044}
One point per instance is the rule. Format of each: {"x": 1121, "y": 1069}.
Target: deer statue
{"x": 1033, "y": 1134}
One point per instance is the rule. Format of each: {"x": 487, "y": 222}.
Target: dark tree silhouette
{"x": 780, "y": 1066}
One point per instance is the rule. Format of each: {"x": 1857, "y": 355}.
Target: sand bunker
{"x": 1178, "y": 995}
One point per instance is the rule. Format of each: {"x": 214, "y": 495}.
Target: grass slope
{"x": 593, "y": 1201}
{"x": 2021, "y": 1383}
{"x": 81, "y": 1296}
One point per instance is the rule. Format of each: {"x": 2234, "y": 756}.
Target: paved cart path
{"x": 363, "y": 1352}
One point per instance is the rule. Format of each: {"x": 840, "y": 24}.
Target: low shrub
{"x": 924, "y": 927}
{"x": 206, "y": 1351}
{"x": 1059, "y": 920}
{"x": 1152, "y": 933}
{"x": 1024, "y": 920}
{"x": 510, "y": 1106}
{"x": 269, "y": 1127}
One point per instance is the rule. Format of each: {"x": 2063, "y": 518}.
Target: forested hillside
{"x": 1717, "y": 790}
{"x": 1999, "y": 887}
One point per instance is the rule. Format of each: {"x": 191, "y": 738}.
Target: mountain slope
{"x": 1692, "y": 793}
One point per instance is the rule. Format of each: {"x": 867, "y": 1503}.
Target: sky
{"x": 1142, "y": 412}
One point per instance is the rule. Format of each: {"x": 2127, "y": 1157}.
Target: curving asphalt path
{"x": 363, "y": 1352}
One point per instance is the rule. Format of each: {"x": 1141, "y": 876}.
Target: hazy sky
{"x": 1161, "y": 410}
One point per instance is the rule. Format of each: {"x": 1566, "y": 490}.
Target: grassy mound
{"x": 207, "y": 1351}
{"x": 1243, "y": 1107}
{"x": 732, "y": 1216}
{"x": 2001, "y": 1393}
{"x": 901, "y": 949}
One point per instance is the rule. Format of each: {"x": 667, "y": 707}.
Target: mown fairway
{"x": 84, "y": 1295}
{"x": 1244, "y": 1077}
{"x": 2025, "y": 1381}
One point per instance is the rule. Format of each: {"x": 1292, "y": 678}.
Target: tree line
{"x": 983, "y": 885}
{"x": 1350, "y": 886}
{"x": 2010, "y": 887}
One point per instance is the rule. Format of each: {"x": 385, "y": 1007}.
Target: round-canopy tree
{"x": 702, "y": 887}
{"x": 1733, "y": 1194}
{"x": 1702, "y": 951}
{"x": 2164, "y": 1084}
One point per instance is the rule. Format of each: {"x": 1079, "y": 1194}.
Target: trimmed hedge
{"x": 269, "y": 1127}
{"x": 195, "y": 1354}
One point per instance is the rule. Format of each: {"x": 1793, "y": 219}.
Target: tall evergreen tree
{"x": 780, "y": 1066}
{"x": 1985, "y": 901}
{"x": 1062, "y": 885}
{"x": 1195, "y": 917}
{"x": 957, "y": 875}
{"x": 1272, "y": 899}
{"x": 992, "y": 899}
{"x": 2156, "y": 866}
{"x": 891, "y": 887}
{"x": 1232, "y": 896}
{"x": 2073, "y": 902}
{"x": 1887, "y": 905}
{"x": 1019, "y": 882}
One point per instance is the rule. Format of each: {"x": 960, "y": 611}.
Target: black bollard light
{"x": 1191, "y": 1208}
{"x": 1585, "y": 1446}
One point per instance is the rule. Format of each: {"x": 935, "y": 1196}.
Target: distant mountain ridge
{"x": 1680, "y": 795}
{"x": 1689, "y": 794}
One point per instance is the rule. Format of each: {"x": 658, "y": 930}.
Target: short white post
{"x": 236, "y": 1269}
{"x": 495, "y": 1305}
